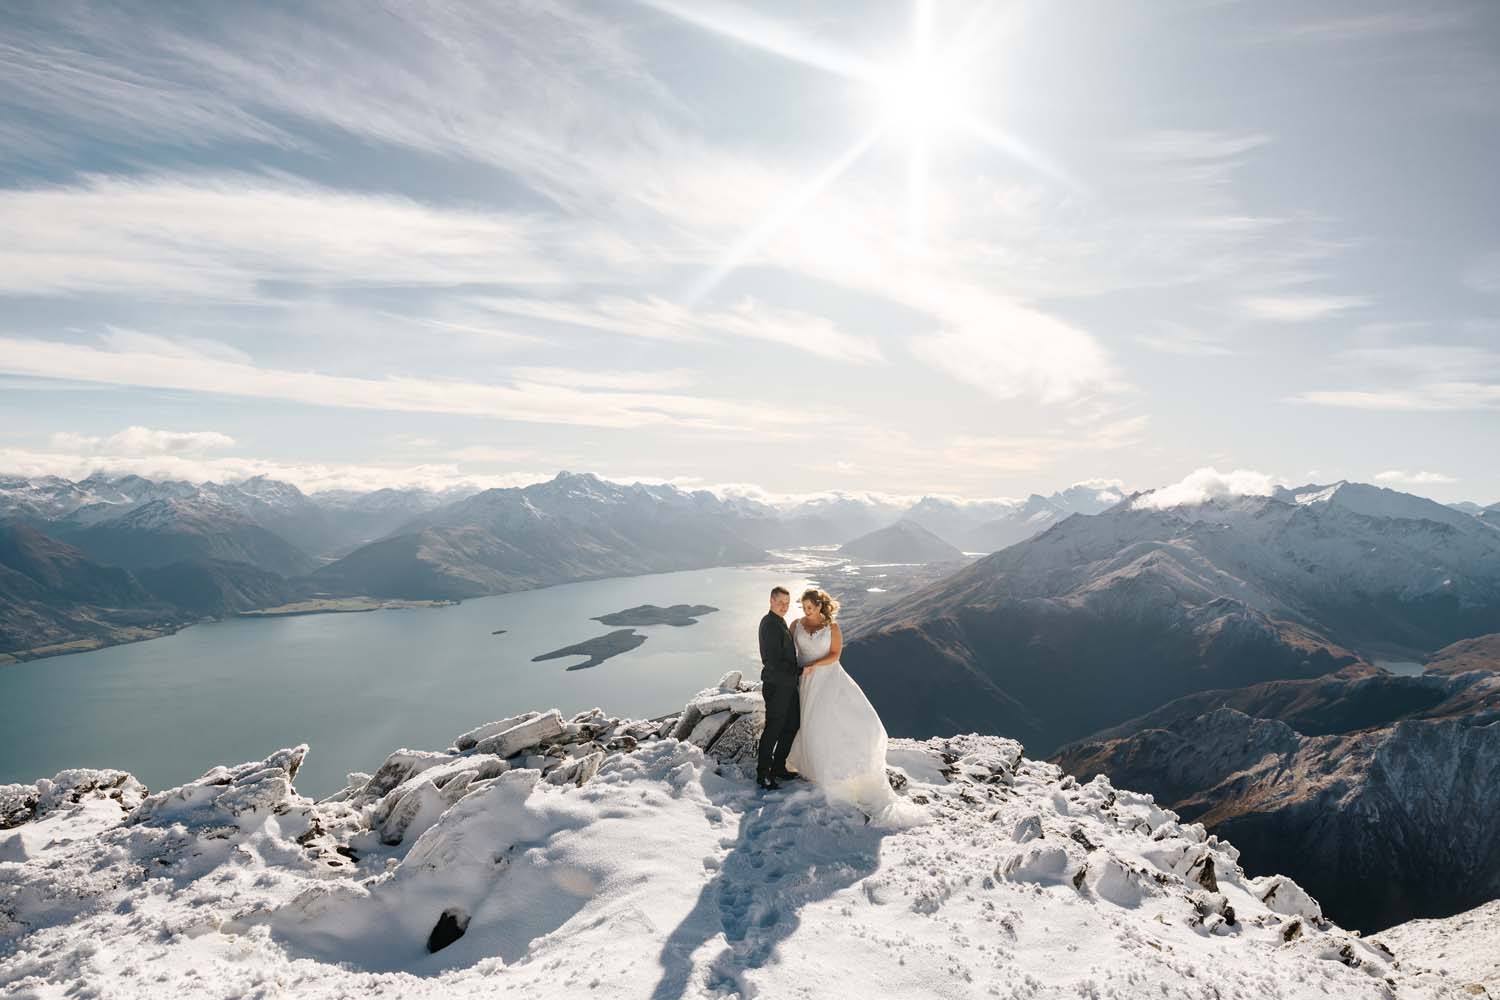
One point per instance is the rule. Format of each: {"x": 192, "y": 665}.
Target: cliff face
{"x": 1382, "y": 824}
{"x": 548, "y": 857}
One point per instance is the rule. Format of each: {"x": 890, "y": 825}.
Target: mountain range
{"x": 1101, "y": 618}
{"x": 212, "y": 549}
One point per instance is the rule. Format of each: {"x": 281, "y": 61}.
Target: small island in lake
{"x": 598, "y": 649}
{"x": 649, "y": 614}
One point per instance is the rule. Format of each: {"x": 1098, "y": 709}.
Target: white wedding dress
{"x": 840, "y": 745}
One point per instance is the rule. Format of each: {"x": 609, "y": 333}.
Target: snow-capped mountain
{"x": 991, "y": 525}
{"x": 1322, "y": 779}
{"x": 164, "y": 531}
{"x": 552, "y": 858}
{"x": 1101, "y": 618}
{"x": 573, "y": 527}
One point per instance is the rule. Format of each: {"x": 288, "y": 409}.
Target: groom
{"x": 779, "y": 681}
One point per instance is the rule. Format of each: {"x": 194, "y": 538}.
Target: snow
{"x": 1464, "y": 949}
{"x": 629, "y": 863}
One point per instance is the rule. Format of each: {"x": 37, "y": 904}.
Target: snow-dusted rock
{"x": 530, "y": 733}
{"x": 400, "y": 767}
{"x": 739, "y": 741}
{"x": 24, "y": 803}
{"x": 440, "y": 774}
{"x": 225, "y": 794}
{"x": 576, "y": 771}
{"x": 1045, "y": 863}
{"x": 416, "y": 810}
{"x": 709, "y": 728}
{"x": 469, "y": 740}
{"x": 1282, "y": 895}
{"x": 666, "y": 874}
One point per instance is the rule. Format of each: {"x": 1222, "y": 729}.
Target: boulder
{"x": 739, "y": 741}
{"x": 224, "y": 794}
{"x": 576, "y": 770}
{"x": 469, "y": 740}
{"x": 709, "y": 728}
{"x": 1282, "y": 895}
{"x": 417, "y": 810}
{"x": 530, "y": 733}
{"x": 442, "y": 775}
{"x": 400, "y": 767}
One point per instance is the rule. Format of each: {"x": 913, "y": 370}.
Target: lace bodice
{"x": 811, "y": 646}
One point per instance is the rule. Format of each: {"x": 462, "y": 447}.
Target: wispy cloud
{"x": 1371, "y": 26}
{"x": 138, "y": 441}
{"x": 1415, "y": 377}
{"x": 1000, "y": 453}
{"x": 1007, "y": 350}
{"x": 1174, "y": 338}
{"x": 1413, "y": 478}
{"x": 1434, "y": 397}
{"x": 1300, "y": 308}
{"x": 527, "y": 401}
{"x": 656, "y": 318}
{"x": 221, "y": 236}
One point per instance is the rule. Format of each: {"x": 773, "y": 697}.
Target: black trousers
{"x": 783, "y": 718}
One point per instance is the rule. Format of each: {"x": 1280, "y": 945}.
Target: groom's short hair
{"x": 780, "y": 590}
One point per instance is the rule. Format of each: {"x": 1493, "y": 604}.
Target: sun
{"x": 919, "y": 99}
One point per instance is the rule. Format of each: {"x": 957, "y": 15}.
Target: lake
{"x": 357, "y": 686}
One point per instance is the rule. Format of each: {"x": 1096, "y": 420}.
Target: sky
{"x": 977, "y": 249}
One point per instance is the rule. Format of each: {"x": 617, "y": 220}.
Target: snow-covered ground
{"x": 617, "y": 858}
{"x": 1464, "y": 947}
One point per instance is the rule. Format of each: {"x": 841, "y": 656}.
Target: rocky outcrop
{"x": 469, "y": 873}
{"x": 1415, "y": 801}
{"x": 24, "y": 803}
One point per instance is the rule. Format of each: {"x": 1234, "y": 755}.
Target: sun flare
{"x": 919, "y": 98}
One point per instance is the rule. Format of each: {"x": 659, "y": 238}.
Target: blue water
{"x": 1410, "y": 668}
{"x": 356, "y": 686}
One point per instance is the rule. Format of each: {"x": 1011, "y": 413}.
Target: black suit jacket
{"x": 778, "y": 654}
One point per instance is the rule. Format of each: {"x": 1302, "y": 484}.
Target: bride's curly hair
{"x": 827, "y": 606}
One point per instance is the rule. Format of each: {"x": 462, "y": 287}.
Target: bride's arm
{"x": 835, "y": 646}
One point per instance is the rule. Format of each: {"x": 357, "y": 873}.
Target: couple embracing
{"x": 819, "y": 724}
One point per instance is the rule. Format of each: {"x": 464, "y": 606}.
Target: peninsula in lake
{"x": 597, "y": 649}
{"x": 649, "y": 614}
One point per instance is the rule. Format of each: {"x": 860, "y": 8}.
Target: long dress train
{"x": 841, "y": 743}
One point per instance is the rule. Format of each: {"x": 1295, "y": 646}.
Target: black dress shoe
{"x": 766, "y": 781}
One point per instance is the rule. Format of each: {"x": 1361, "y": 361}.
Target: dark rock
{"x": 448, "y": 929}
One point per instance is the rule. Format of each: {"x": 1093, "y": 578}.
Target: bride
{"x": 841, "y": 743}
